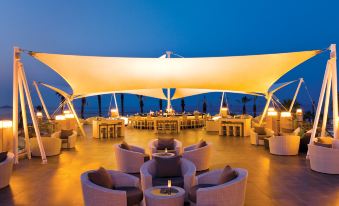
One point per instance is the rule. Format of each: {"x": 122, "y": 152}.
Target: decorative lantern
{"x": 224, "y": 112}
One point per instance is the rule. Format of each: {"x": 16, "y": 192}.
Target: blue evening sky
{"x": 149, "y": 28}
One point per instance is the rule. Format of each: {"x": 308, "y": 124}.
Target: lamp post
{"x": 6, "y": 135}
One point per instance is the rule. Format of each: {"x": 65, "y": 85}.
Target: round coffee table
{"x": 153, "y": 197}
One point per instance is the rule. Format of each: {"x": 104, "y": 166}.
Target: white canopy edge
{"x": 61, "y": 92}
{"x": 186, "y": 92}
{"x": 155, "y": 93}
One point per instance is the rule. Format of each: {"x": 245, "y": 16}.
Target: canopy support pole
{"x": 24, "y": 118}
{"x": 269, "y": 97}
{"x": 327, "y": 101}
{"x": 22, "y": 77}
{"x": 296, "y": 94}
{"x": 15, "y": 117}
{"x": 222, "y": 100}
{"x": 70, "y": 105}
{"x": 116, "y": 104}
{"x": 41, "y": 100}
{"x": 320, "y": 103}
{"x": 168, "y": 99}
{"x": 333, "y": 65}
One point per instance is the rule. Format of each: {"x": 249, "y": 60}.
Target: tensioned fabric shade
{"x": 186, "y": 92}
{"x": 92, "y": 74}
{"x": 156, "y": 93}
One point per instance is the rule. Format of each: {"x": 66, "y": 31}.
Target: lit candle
{"x": 169, "y": 185}
{"x": 165, "y": 150}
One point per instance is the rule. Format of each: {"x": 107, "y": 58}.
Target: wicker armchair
{"x": 200, "y": 157}
{"x": 129, "y": 161}
{"x": 153, "y": 144}
{"x": 324, "y": 160}
{"x": 66, "y": 143}
{"x": 284, "y": 145}
{"x": 257, "y": 139}
{"x": 97, "y": 195}
{"x": 51, "y": 145}
{"x": 6, "y": 168}
{"x": 231, "y": 193}
{"x": 147, "y": 172}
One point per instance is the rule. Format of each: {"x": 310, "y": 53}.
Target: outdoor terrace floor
{"x": 273, "y": 180}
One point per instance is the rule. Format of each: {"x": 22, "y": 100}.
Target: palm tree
{"x": 83, "y": 104}
{"x": 160, "y": 104}
{"x": 39, "y": 108}
{"x": 204, "y": 106}
{"x": 287, "y": 103}
{"x": 244, "y": 101}
{"x": 122, "y": 97}
{"x": 99, "y": 105}
{"x": 62, "y": 100}
{"x": 255, "y": 106}
{"x": 141, "y": 103}
{"x": 182, "y": 105}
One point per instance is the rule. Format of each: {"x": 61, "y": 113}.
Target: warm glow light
{"x": 216, "y": 118}
{"x": 271, "y": 109}
{"x": 5, "y": 124}
{"x": 299, "y": 111}
{"x": 285, "y": 114}
{"x": 224, "y": 108}
{"x": 125, "y": 120}
{"x": 272, "y": 112}
{"x": 69, "y": 116}
{"x": 169, "y": 183}
{"x": 60, "y": 117}
{"x": 114, "y": 110}
{"x": 165, "y": 150}
{"x": 39, "y": 114}
{"x": 67, "y": 112}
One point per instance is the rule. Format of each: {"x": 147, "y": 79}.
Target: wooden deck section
{"x": 273, "y": 180}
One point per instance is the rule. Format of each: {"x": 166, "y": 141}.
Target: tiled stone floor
{"x": 273, "y": 180}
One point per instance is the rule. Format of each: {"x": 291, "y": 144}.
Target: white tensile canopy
{"x": 88, "y": 75}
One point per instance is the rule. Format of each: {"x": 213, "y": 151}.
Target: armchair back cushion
{"x": 125, "y": 146}
{"x": 165, "y": 143}
{"x": 260, "y": 130}
{"x": 66, "y": 133}
{"x": 168, "y": 167}
{"x": 102, "y": 178}
{"x": 227, "y": 175}
{"x": 201, "y": 144}
{"x": 3, "y": 156}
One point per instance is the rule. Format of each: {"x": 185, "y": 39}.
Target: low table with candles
{"x": 165, "y": 196}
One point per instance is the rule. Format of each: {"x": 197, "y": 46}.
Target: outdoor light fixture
{"x": 6, "y": 124}
{"x": 223, "y": 112}
{"x": 299, "y": 111}
{"x": 60, "y": 117}
{"x": 272, "y": 112}
{"x": 285, "y": 114}
{"x": 67, "y": 112}
{"x": 69, "y": 116}
{"x": 39, "y": 114}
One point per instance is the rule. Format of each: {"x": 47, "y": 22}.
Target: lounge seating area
{"x": 161, "y": 175}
